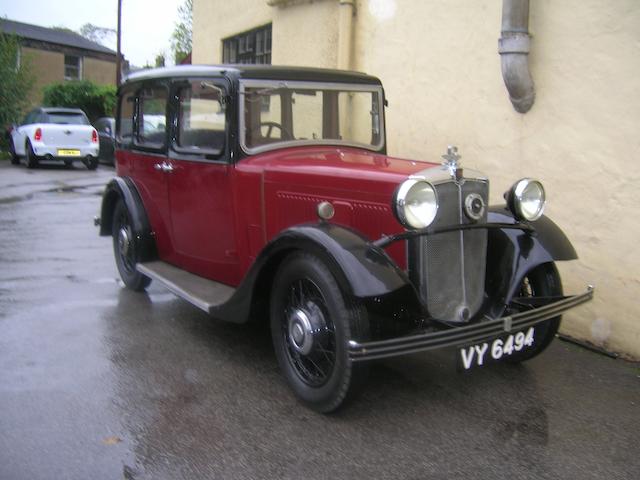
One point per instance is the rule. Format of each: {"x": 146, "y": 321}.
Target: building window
{"x": 253, "y": 46}
{"x": 72, "y": 67}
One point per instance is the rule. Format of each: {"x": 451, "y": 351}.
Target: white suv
{"x": 62, "y": 134}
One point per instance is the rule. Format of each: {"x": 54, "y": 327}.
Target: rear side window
{"x": 201, "y": 117}
{"x": 125, "y": 123}
{"x": 152, "y": 122}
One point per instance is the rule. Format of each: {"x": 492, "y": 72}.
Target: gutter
{"x": 514, "y": 46}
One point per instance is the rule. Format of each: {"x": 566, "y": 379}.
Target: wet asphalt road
{"x": 97, "y": 382}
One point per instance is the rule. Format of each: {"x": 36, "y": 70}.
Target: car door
{"x": 142, "y": 154}
{"x": 200, "y": 198}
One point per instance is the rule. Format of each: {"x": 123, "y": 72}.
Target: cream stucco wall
{"x": 439, "y": 63}
{"x": 304, "y": 33}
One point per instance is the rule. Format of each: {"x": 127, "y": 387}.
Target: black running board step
{"x": 205, "y": 294}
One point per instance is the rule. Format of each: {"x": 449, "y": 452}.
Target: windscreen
{"x": 299, "y": 113}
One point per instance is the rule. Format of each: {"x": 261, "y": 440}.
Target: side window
{"x": 152, "y": 122}
{"x": 201, "y": 117}
{"x": 125, "y": 120}
{"x": 263, "y": 110}
{"x": 28, "y": 120}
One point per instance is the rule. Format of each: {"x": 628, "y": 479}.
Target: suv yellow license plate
{"x": 68, "y": 153}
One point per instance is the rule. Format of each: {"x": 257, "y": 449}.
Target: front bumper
{"x": 459, "y": 336}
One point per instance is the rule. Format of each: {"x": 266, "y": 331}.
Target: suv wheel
{"x": 32, "y": 159}
{"x": 91, "y": 162}
{"x": 15, "y": 159}
{"x": 311, "y": 324}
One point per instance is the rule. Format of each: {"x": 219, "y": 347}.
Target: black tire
{"x": 316, "y": 363}
{"x": 15, "y": 159}
{"x": 542, "y": 281}
{"x": 126, "y": 249}
{"x": 91, "y": 163}
{"x": 32, "y": 159}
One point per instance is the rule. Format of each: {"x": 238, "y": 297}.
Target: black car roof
{"x": 261, "y": 72}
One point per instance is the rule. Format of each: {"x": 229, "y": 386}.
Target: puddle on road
{"x": 16, "y": 199}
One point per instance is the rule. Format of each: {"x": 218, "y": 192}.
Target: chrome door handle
{"x": 164, "y": 166}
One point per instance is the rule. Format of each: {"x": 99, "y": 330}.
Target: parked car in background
{"x": 266, "y": 193}
{"x": 55, "y": 134}
{"x": 106, "y": 127}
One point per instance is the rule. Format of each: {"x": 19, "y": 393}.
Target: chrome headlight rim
{"x": 400, "y": 203}
{"x": 517, "y": 199}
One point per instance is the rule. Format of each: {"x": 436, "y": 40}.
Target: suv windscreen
{"x": 305, "y": 113}
{"x": 66, "y": 118}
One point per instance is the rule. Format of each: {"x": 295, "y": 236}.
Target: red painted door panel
{"x": 152, "y": 186}
{"x": 202, "y": 219}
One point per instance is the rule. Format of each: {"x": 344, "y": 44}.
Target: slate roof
{"x": 50, "y": 35}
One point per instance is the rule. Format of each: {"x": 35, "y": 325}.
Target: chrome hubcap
{"x": 124, "y": 241}
{"x": 300, "y": 332}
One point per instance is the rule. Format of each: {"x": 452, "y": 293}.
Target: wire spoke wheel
{"x": 540, "y": 284}
{"x": 312, "y": 322}
{"x": 309, "y": 333}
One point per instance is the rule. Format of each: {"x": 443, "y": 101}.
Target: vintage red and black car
{"x": 265, "y": 193}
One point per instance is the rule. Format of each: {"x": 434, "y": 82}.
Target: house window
{"x": 72, "y": 67}
{"x": 253, "y": 46}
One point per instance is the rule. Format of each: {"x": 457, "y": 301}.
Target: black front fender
{"x": 511, "y": 253}
{"x": 362, "y": 269}
{"x": 367, "y": 269}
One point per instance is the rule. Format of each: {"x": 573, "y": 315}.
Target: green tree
{"x": 101, "y": 35}
{"x": 16, "y": 82}
{"x": 182, "y": 33}
{"x": 95, "y": 100}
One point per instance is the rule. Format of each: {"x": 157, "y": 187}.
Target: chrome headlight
{"x": 526, "y": 199}
{"x": 415, "y": 204}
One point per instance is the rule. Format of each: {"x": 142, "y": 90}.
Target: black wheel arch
{"x": 123, "y": 188}
{"x": 362, "y": 270}
{"x": 512, "y": 253}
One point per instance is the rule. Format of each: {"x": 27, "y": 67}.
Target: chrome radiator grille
{"x": 449, "y": 268}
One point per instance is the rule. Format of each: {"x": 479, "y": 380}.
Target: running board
{"x": 205, "y": 294}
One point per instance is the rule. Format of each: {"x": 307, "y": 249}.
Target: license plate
{"x": 68, "y": 153}
{"x": 492, "y": 351}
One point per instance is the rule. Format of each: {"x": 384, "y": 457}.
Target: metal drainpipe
{"x": 514, "y": 46}
{"x": 345, "y": 33}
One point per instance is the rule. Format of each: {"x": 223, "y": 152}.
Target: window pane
{"x": 201, "y": 122}
{"x": 67, "y": 118}
{"x": 152, "y": 123}
{"x": 249, "y": 47}
{"x": 127, "y": 105}
{"x": 263, "y": 117}
{"x": 307, "y": 114}
{"x": 275, "y": 114}
{"x": 72, "y": 67}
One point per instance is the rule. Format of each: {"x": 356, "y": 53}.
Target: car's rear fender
{"x": 123, "y": 188}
